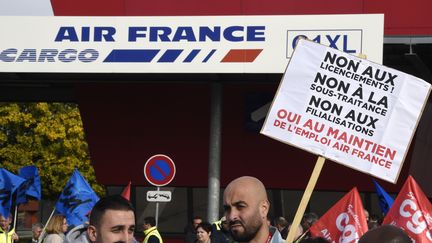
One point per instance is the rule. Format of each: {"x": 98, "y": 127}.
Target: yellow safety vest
{"x": 6, "y": 237}
{"x": 218, "y": 224}
{"x": 149, "y": 232}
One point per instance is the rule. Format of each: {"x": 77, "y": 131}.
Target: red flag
{"x": 126, "y": 192}
{"x": 344, "y": 222}
{"x": 412, "y": 212}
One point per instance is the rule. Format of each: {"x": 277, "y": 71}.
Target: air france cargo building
{"x": 194, "y": 80}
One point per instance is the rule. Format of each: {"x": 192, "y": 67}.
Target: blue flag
{"x": 31, "y": 187}
{"x": 385, "y": 201}
{"x": 9, "y": 183}
{"x": 76, "y": 200}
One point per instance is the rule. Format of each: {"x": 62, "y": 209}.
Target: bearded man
{"x": 246, "y": 207}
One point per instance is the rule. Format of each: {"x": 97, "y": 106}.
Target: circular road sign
{"x": 159, "y": 170}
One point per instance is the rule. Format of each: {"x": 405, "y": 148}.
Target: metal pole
{"x": 214, "y": 152}
{"x": 157, "y": 210}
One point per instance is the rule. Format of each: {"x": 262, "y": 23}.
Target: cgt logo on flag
{"x": 344, "y": 222}
{"x": 31, "y": 187}
{"x": 412, "y": 212}
{"x": 21, "y": 194}
{"x": 9, "y": 183}
{"x": 4, "y": 196}
{"x": 70, "y": 199}
{"x": 76, "y": 200}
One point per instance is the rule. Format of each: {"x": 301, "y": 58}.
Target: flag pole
{"x": 43, "y": 230}
{"x": 305, "y": 199}
{"x": 15, "y": 217}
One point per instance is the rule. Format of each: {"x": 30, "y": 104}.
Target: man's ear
{"x": 92, "y": 233}
{"x": 264, "y": 208}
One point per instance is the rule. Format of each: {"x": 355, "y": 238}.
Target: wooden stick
{"x": 305, "y": 199}
{"x": 42, "y": 235}
{"x": 362, "y": 56}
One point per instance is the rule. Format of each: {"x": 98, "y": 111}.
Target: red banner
{"x": 412, "y": 212}
{"x": 344, "y": 222}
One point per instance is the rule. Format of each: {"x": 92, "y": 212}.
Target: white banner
{"x": 350, "y": 110}
{"x": 177, "y": 44}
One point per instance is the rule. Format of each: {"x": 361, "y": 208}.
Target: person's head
{"x": 224, "y": 224}
{"x": 366, "y": 212}
{"x": 246, "y": 207}
{"x": 37, "y": 230}
{"x": 149, "y": 222}
{"x": 280, "y": 223}
{"x": 372, "y": 225}
{"x": 57, "y": 225}
{"x": 112, "y": 219}
{"x": 374, "y": 218}
{"x": 298, "y": 233}
{"x": 203, "y": 232}
{"x": 5, "y": 222}
{"x": 308, "y": 220}
{"x": 196, "y": 221}
{"x": 385, "y": 234}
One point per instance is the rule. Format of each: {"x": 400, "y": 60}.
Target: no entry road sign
{"x": 159, "y": 170}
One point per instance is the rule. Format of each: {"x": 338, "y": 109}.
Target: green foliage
{"x": 49, "y": 136}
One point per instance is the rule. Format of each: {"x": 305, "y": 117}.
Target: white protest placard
{"x": 347, "y": 109}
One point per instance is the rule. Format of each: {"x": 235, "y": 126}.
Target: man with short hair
{"x": 385, "y": 234}
{"x": 246, "y": 207}
{"x": 151, "y": 234}
{"x": 112, "y": 219}
{"x": 36, "y": 232}
{"x": 196, "y": 221}
{"x": 7, "y": 235}
{"x": 282, "y": 225}
{"x": 308, "y": 220}
{"x": 190, "y": 229}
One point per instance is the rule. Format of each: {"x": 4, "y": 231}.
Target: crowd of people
{"x": 246, "y": 207}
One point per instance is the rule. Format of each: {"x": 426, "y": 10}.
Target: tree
{"x": 49, "y": 136}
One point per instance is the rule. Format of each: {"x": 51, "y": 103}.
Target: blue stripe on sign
{"x": 170, "y": 55}
{"x": 192, "y": 55}
{"x": 163, "y": 165}
{"x": 160, "y": 170}
{"x": 118, "y": 55}
{"x": 155, "y": 173}
{"x": 209, "y": 55}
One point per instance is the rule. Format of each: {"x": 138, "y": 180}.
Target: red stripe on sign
{"x": 241, "y": 55}
{"x": 156, "y": 166}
